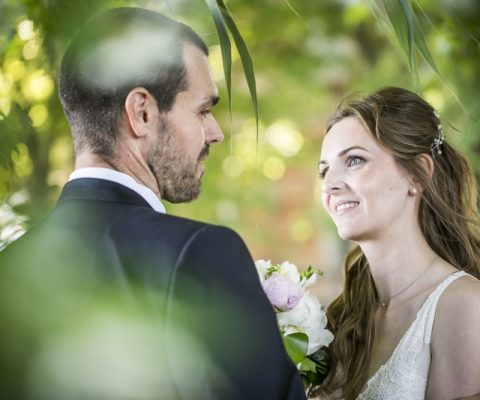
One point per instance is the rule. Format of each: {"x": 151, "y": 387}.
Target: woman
{"x": 406, "y": 325}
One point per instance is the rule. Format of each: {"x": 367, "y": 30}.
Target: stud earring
{"x": 413, "y": 191}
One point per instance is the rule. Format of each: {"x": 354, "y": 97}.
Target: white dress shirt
{"x": 123, "y": 179}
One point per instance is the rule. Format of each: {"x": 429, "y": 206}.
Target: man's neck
{"x": 138, "y": 171}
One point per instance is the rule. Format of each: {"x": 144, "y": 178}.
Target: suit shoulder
{"x": 192, "y": 230}
{"x": 217, "y": 238}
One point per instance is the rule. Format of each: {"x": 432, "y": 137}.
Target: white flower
{"x": 262, "y": 268}
{"x": 309, "y": 318}
{"x": 290, "y": 270}
{"x": 310, "y": 281}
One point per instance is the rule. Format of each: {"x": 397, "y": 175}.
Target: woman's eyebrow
{"x": 345, "y": 151}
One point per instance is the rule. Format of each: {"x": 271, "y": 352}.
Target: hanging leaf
{"x": 401, "y": 17}
{"x": 422, "y": 47}
{"x": 405, "y": 26}
{"x": 227, "y": 21}
{"x": 225, "y": 46}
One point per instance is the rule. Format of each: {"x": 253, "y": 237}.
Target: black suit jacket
{"x": 196, "y": 281}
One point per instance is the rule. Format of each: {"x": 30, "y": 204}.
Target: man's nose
{"x": 213, "y": 132}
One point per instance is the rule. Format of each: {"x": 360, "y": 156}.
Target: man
{"x": 137, "y": 92}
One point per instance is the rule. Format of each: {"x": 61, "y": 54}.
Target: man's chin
{"x": 184, "y": 194}
{"x": 180, "y": 199}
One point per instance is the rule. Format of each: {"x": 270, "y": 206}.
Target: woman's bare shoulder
{"x": 455, "y": 351}
{"x": 461, "y": 295}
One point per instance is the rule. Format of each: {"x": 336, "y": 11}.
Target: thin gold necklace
{"x": 385, "y": 304}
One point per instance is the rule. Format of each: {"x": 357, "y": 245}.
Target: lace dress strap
{"x": 430, "y": 306}
{"x": 404, "y": 376}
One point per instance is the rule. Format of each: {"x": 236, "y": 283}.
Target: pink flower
{"x": 282, "y": 292}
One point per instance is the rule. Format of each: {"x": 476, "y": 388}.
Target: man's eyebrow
{"x": 345, "y": 151}
{"x": 210, "y": 101}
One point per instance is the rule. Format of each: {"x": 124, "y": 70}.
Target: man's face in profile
{"x": 186, "y": 132}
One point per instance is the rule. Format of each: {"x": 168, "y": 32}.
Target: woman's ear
{"x": 426, "y": 162}
{"x": 141, "y": 111}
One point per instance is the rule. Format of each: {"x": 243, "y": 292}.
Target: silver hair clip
{"x": 436, "y": 146}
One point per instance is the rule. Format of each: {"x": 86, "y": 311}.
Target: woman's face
{"x": 364, "y": 190}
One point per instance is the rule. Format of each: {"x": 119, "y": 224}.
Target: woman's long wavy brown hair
{"x": 406, "y": 125}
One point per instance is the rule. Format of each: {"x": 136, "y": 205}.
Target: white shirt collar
{"x": 123, "y": 179}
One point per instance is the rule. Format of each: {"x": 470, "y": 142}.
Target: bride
{"x": 406, "y": 325}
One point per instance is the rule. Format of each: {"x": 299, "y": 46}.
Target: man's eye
{"x": 205, "y": 112}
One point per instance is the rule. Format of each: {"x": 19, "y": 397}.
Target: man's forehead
{"x": 199, "y": 76}
{"x": 194, "y": 56}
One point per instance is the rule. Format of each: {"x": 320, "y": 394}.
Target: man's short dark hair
{"x": 115, "y": 52}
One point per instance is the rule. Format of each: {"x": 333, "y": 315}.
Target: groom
{"x": 137, "y": 91}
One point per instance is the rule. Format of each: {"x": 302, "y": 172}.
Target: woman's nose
{"x": 333, "y": 183}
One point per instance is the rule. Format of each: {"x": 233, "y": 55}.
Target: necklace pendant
{"x": 383, "y": 304}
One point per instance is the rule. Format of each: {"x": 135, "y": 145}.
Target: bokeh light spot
{"x": 284, "y": 137}
{"x": 31, "y": 49}
{"x": 38, "y": 86}
{"x": 38, "y": 115}
{"x": 233, "y": 165}
{"x": 301, "y": 230}
{"x": 273, "y": 168}
{"x": 26, "y": 30}
{"x": 436, "y": 98}
{"x": 227, "y": 210}
{"x": 14, "y": 68}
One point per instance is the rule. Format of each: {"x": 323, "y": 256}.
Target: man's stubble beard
{"x": 176, "y": 175}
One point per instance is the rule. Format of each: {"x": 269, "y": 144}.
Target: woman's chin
{"x": 348, "y": 234}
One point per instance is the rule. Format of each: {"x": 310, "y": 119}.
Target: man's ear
{"x": 141, "y": 111}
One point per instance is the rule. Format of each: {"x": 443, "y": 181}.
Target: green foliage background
{"x": 306, "y": 59}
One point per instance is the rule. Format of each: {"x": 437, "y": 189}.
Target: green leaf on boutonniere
{"x": 314, "y": 369}
{"x": 271, "y": 270}
{"x": 307, "y": 273}
{"x": 321, "y": 360}
{"x": 296, "y": 345}
{"x": 308, "y": 365}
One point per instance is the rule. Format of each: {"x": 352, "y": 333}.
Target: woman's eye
{"x": 205, "y": 112}
{"x": 353, "y": 161}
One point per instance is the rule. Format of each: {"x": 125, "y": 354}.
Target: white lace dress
{"x": 404, "y": 376}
